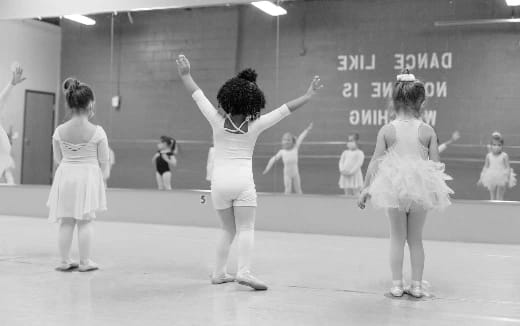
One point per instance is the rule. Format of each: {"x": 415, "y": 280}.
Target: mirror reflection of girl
{"x": 78, "y": 190}
{"x": 289, "y": 156}
{"x": 8, "y": 174}
{"x": 164, "y": 161}
{"x": 6, "y": 160}
{"x": 497, "y": 175}
{"x": 350, "y": 163}
{"x": 233, "y": 190}
{"x": 406, "y": 178}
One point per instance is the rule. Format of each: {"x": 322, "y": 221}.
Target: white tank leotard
{"x": 232, "y": 182}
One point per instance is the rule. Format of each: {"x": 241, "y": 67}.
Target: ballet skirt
{"x": 78, "y": 188}
{"x": 350, "y": 160}
{"x": 497, "y": 175}
{"x": 406, "y": 177}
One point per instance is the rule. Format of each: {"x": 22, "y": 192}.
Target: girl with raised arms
{"x": 235, "y": 134}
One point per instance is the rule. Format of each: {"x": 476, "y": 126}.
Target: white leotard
{"x": 232, "y": 181}
{"x": 290, "y": 161}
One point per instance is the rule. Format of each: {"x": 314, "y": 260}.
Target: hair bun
{"x": 248, "y": 74}
{"x": 70, "y": 85}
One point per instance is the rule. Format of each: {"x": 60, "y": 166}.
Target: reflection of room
{"x": 127, "y": 57}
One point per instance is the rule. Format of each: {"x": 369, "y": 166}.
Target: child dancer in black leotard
{"x": 164, "y": 160}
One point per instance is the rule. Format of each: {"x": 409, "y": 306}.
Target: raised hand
{"x": 311, "y": 125}
{"x": 455, "y": 136}
{"x": 17, "y": 76}
{"x": 183, "y": 65}
{"x": 315, "y": 86}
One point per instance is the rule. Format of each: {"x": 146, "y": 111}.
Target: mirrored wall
{"x": 469, "y": 64}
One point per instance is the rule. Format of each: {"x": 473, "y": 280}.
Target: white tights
{"x": 407, "y": 227}
{"x": 239, "y": 222}
{"x": 66, "y": 234}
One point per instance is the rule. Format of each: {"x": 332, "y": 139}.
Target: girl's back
{"x": 408, "y": 137}
{"x": 81, "y": 142}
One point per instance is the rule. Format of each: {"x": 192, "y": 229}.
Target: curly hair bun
{"x": 248, "y": 74}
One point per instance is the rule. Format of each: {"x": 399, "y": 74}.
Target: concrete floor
{"x": 157, "y": 275}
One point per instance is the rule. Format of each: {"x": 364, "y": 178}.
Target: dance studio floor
{"x": 157, "y": 275}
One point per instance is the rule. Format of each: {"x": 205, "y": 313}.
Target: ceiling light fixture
{"x": 270, "y": 8}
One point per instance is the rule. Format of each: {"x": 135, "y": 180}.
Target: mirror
{"x": 358, "y": 48}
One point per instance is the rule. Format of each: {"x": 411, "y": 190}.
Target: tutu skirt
{"x": 78, "y": 192}
{"x": 354, "y": 181}
{"x": 403, "y": 182}
{"x": 492, "y": 178}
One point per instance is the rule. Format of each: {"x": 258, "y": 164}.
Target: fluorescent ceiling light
{"x": 81, "y": 19}
{"x": 513, "y": 3}
{"x": 270, "y": 8}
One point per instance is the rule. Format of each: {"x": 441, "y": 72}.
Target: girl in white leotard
{"x": 6, "y": 160}
{"x": 232, "y": 186}
{"x": 289, "y": 155}
{"x": 497, "y": 174}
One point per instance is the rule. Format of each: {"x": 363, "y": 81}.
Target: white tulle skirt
{"x": 78, "y": 192}
{"x": 403, "y": 182}
{"x": 492, "y": 178}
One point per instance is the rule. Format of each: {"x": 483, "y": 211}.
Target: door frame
{"x": 27, "y": 91}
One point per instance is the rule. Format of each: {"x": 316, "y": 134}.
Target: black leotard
{"x": 161, "y": 165}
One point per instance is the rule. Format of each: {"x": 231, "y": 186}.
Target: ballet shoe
{"x": 416, "y": 291}
{"x": 66, "y": 267}
{"x": 251, "y": 281}
{"x": 397, "y": 291}
{"x": 89, "y": 267}
{"x": 225, "y": 278}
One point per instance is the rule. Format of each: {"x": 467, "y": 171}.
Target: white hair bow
{"x": 406, "y": 77}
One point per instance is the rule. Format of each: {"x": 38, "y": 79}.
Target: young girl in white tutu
{"x": 78, "y": 190}
{"x": 289, "y": 156}
{"x": 233, "y": 190}
{"x": 497, "y": 175}
{"x": 6, "y": 161}
{"x": 350, "y": 163}
{"x": 405, "y": 178}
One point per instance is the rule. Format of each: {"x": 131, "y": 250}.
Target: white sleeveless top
{"x": 407, "y": 140}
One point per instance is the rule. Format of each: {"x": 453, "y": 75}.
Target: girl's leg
{"x": 167, "y": 180}
{"x": 245, "y": 224}
{"x": 501, "y": 191}
{"x": 159, "y": 180}
{"x": 65, "y": 236}
{"x": 9, "y": 178}
{"x": 347, "y": 191}
{"x": 287, "y": 181}
{"x": 85, "y": 245}
{"x": 297, "y": 184}
{"x": 415, "y": 225}
{"x": 227, "y": 235}
{"x": 493, "y": 193}
{"x": 398, "y": 233}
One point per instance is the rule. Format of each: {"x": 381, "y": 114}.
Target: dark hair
{"x": 241, "y": 95}
{"x": 408, "y": 95}
{"x": 171, "y": 142}
{"x": 353, "y": 135}
{"x": 498, "y": 138}
{"x": 77, "y": 95}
